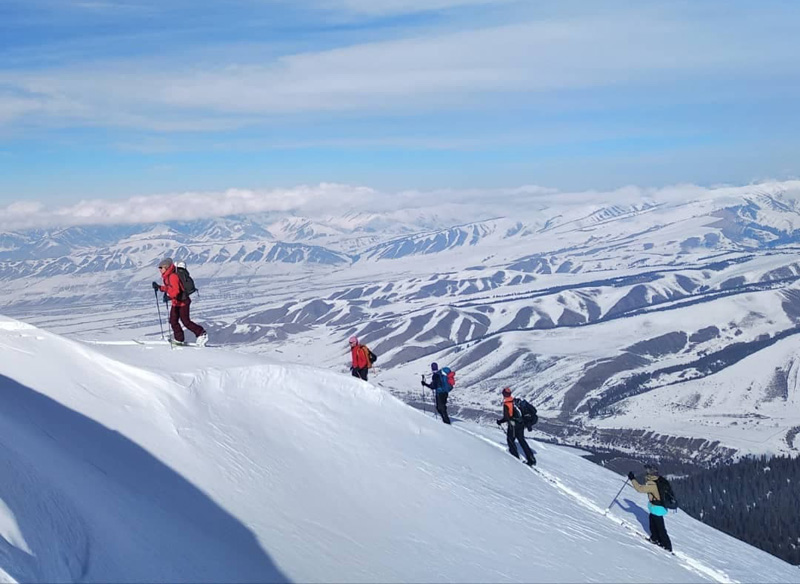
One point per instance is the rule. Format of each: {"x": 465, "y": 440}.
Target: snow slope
{"x": 128, "y": 462}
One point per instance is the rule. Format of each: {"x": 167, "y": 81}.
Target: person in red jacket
{"x": 360, "y": 359}
{"x": 180, "y": 304}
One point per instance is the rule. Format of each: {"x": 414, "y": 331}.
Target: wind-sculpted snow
{"x": 91, "y": 504}
{"x": 131, "y": 462}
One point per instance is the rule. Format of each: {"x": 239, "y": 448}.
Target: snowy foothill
{"x": 137, "y": 462}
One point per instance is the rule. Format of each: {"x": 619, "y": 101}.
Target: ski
{"x": 165, "y": 342}
{"x": 178, "y": 345}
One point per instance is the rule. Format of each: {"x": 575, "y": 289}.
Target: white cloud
{"x": 643, "y": 48}
{"x": 12, "y": 107}
{"x": 183, "y": 206}
{"x": 330, "y": 199}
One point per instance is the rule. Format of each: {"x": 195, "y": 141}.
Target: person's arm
{"x": 506, "y": 417}
{"x": 636, "y": 485}
{"x": 648, "y": 488}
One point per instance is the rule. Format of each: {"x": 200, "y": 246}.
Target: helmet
{"x": 353, "y": 340}
{"x": 506, "y": 391}
{"x": 651, "y": 469}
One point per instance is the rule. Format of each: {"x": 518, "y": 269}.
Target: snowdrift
{"x": 128, "y": 462}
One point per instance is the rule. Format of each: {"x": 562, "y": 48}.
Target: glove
{"x": 499, "y": 422}
{"x": 631, "y": 476}
{"x": 166, "y": 298}
{"x": 156, "y": 287}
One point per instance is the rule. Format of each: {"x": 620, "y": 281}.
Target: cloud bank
{"x": 337, "y": 199}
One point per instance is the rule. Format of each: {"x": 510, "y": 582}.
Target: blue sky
{"x": 104, "y": 99}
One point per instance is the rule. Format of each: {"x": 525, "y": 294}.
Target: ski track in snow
{"x": 687, "y": 561}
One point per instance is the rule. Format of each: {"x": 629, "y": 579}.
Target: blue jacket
{"x": 436, "y": 382}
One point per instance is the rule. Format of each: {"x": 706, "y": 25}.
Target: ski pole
{"x": 171, "y": 346}
{"x": 617, "y": 495}
{"x": 160, "y": 324}
{"x": 424, "y": 401}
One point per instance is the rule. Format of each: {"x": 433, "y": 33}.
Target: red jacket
{"x": 172, "y": 286}
{"x": 359, "y": 356}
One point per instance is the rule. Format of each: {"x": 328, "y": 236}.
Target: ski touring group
{"x": 520, "y": 416}
{"x": 517, "y": 413}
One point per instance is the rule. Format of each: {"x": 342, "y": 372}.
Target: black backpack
{"x": 666, "y": 494}
{"x": 187, "y": 283}
{"x": 525, "y": 411}
{"x": 371, "y": 356}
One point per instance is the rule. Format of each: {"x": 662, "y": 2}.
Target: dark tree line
{"x": 756, "y": 500}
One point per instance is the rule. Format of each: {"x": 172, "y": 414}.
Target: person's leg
{"x": 653, "y": 536}
{"x": 660, "y": 531}
{"x": 177, "y": 331}
{"x": 520, "y": 435}
{"x": 510, "y": 438}
{"x": 187, "y": 321}
{"x": 441, "y": 406}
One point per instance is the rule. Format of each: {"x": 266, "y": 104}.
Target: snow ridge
{"x": 213, "y": 465}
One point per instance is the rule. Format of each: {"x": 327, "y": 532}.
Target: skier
{"x": 360, "y": 359}
{"x": 658, "y": 531}
{"x": 438, "y": 385}
{"x": 173, "y": 289}
{"x": 515, "y": 429}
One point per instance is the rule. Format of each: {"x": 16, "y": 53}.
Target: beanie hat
{"x": 506, "y": 391}
{"x": 434, "y": 367}
{"x": 165, "y": 263}
{"x": 651, "y": 469}
{"x": 353, "y": 340}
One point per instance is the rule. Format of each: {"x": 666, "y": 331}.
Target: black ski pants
{"x": 182, "y": 313}
{"x": 360, "y": 372}
{"x": 658, "y": 532}
{"x": 441, "y": 405}
{"x": 517, "y": 432}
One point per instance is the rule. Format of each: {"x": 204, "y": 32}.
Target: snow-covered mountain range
{"x": 137, "y": 462}
{"x": 660, "y": 322}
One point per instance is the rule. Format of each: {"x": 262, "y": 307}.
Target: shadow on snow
{"x": 148, "y": 523}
